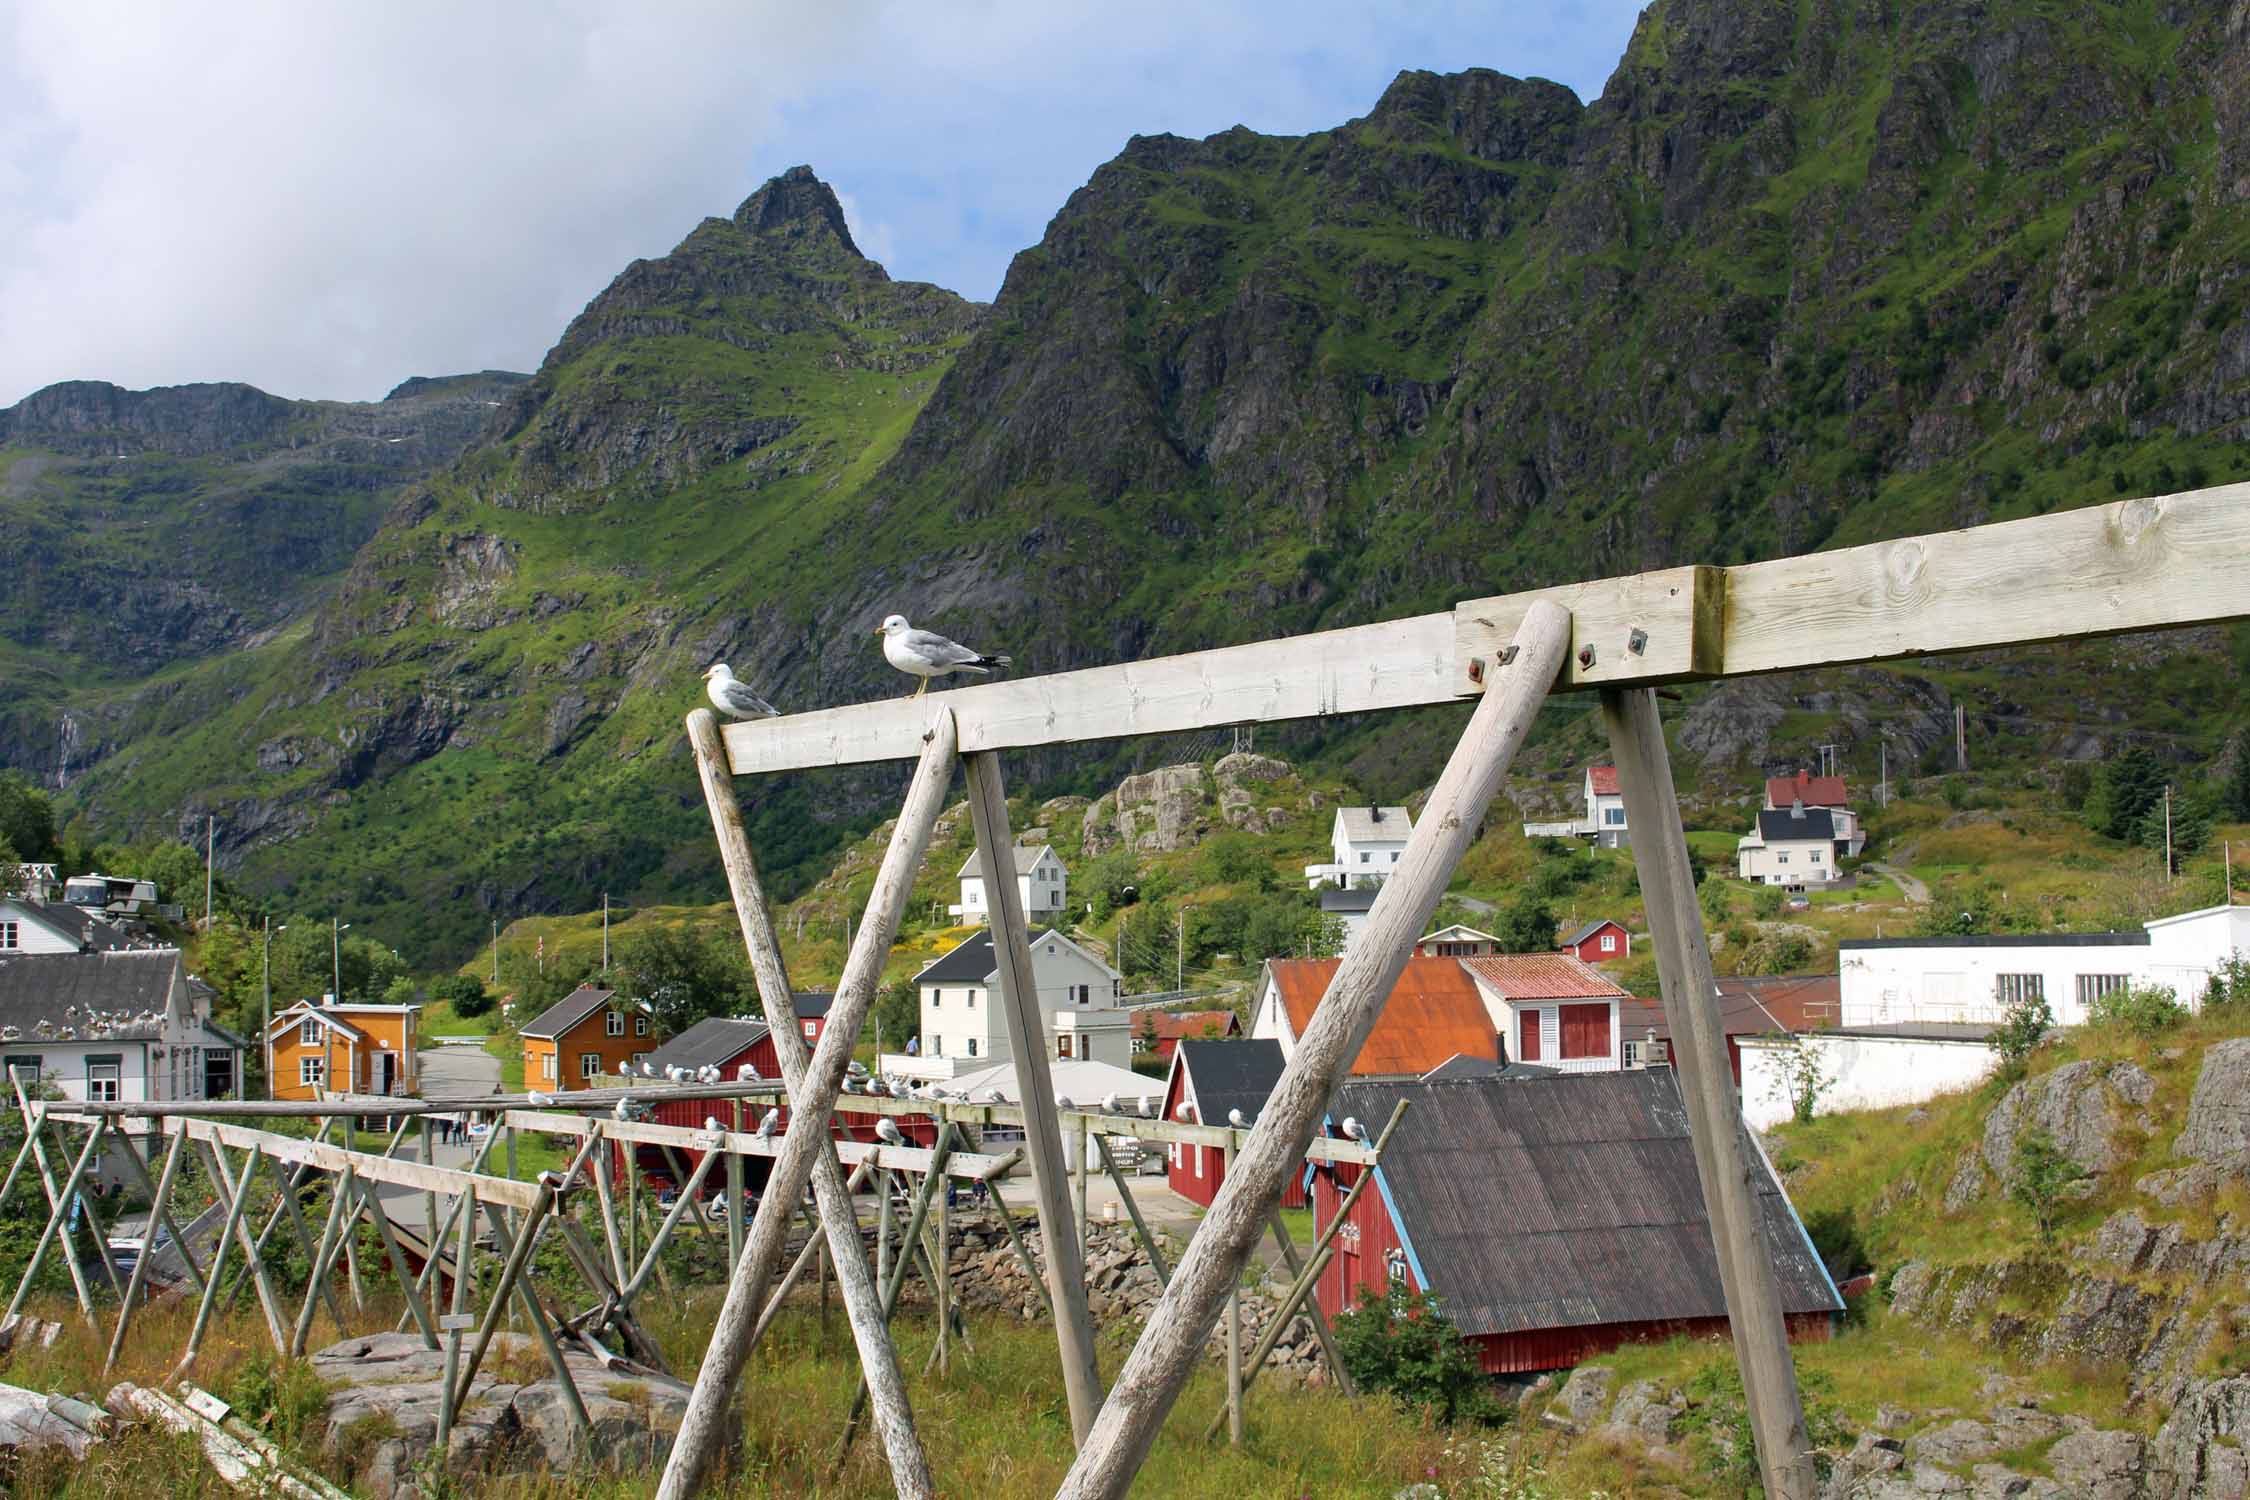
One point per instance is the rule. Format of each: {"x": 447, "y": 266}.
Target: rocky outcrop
{"x": 1177, "y": 807}
{"x": 2083, "y": 1107}
{"x": 2202, "y": 1452}
{"x": 2218, "y": 1119}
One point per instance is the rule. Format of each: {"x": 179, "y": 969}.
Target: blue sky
{"x": 324, "y": 200}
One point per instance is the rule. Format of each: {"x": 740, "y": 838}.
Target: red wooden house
{"x": 812, "y": 1013}
{"x": 1598, "y": 942}
{"x": 1552, "y": 1009}
{"x": 1555, "y": 1217}
{"x": 1170, "y": 1028}
{"x": 1208, "y": 1079}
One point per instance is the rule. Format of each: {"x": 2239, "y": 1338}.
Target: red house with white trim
{"x": 1555, "y": 1217}
{"x": 1599, "y": 941}
{"x": 1208, "y": 1079}
{"x": 1552, "y": 1009}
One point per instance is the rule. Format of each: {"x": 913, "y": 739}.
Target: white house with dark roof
{"x": 963, "y": 1028}
{"x": 1364, "y": 844}
{"x": 1793, "y": 847}
{"x": 30, "y": 926}
{"x": 1042, "y": 885}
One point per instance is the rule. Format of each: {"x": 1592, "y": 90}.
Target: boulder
{"x": 1646, "y": 1413}
{"x": 1956, "y": 1443}
{"x": 2218, "y": 1117}
{"x": 2082, "y": 1106}
{"x": 2202, "y": 1452}
{"x": 1998, "y": 1482}
{"x": 2099, "y": 1465}
{"x": 1586, "y": 1394}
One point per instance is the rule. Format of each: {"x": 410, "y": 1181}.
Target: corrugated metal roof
{"x": 97, "y": 996}
{"x": 1178, "y": 1025}
{"x": 1813, "y": 791}
{"x": 1541, "y": 976}
{"x": 1230, "y": 1075}
{"x": 1796, "y": 1002}
{"x": 1565, "y": 1201}
{"x": 1364, "y": 825}
{"x": 714, "y": 1039}
{"x": 566, "y": 1012}
{"x": 1434, "y": 1012}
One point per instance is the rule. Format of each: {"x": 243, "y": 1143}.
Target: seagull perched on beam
{"x": 730, "y": 697}
{"x": 1238, "y": 1119}
{"x": 746, "y": 1072}
{"x": 889, "y": 1131}
{"x": 766, "y": 1125}
{"x": 1353, "y": 1130}
{"x": 926, "y": 654}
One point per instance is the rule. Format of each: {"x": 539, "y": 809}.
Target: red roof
{"x": 1433, "y": 1014}
{"x": 1605, "y": 780}
{"x": 1174, "y": 1025}
{"x": 1813, "y": 791}
{"x": 1750, "y": 1006}
{"x": 1541, "y": 976}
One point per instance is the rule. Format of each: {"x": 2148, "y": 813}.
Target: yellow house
{"x": 358, "y": 1049}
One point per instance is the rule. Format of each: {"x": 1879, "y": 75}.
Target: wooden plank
{"x": 1172, "y": 1340}
{"x": 2144, "y": 564}
{"x": 1644, "y": 627}
{"x": 361, "y": 1107}
{"x": 326, "y": 1158}
{"x": 1394, "y": 664}
{"x": 1730, "y": 1191}
{"x": 1322, "y": 1149}
{"x": 967, "y": 1165}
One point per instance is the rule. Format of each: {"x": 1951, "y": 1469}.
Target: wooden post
{"x": 1730, "y": 1193}
{"x": 436, "y": 1233}
{"x": 215, "y": 1157}
{"x": 734, "y": 1197}
{"x": 237, "y": 1194}
{"x": 884, "y": 1185}
{"x": 158, "y": 1214}
{"x": 1085, "y": 1219}
{"x": 408, "y": 1286}
{"x": 943, "y": 1290}
{"x": 289, "y": 1181}
{"x": 1313, "y": 1314}
{"x": 901, "y": 1264}
{"x": 1133, "y": 1212}
{"x": 56, "y": 1216}
{"x": 456, "y": 1317}
{"x": 816, "y": 1248}
{"x": 1023, "y": 1251}
{"x": 808, "y": 1152}
{"x": 1028, "y": 1045}
{"x": 1173, "y": 1338}
{"x": 35, "y": 1126}
{"x": 1234, "y": 1334}
{"x": 574, "y": 1404}
{"x": 339, "y": 1191}
{"x": 663, "y": 1235}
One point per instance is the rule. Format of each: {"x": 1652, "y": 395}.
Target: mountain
{"x": 1802, "y": 276}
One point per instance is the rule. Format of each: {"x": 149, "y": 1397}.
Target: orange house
{"x": 582, "y": 1036}
{"x": 358, "y": 1049}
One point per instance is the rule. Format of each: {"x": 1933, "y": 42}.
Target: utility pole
{"x": 1883, "y": 760}
{"x": 1960, "y": 738}
{"x": 2228, "y": 848}
{"x": 1179, "y": 963}
{"x": 2167, "y": 830}
{"x": 265, "y": 1006}
{"x": 336, "y": 932}
{"x": 605, "y": 932}
{"x": 210, "y": 847}
{"x": 496, "y": 955}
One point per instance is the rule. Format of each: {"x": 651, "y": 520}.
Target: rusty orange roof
{"x": 1540, "y": 976}
{"x": 1605, "y": 780}
{"x": 1433, "y": 1014}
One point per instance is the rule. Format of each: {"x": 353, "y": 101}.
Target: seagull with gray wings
{"x": 926, "y": 654}
{"x": 734, "y": 700}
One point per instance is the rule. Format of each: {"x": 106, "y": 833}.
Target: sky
{"x": 324, "y": 199}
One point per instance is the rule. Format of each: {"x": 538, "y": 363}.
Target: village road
{"x": 1914, "y": 890}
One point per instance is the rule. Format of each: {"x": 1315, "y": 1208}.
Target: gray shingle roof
{"x": 970, "y": 963}
{"x": 74, "y": 923}
{"x": 566, "y": 1012}
{"x": 1568, "y": 1202}
{"x": 1026, "y": 855}
{"x": 1228, "y": 1075}
{"x": 1590, "y": 929}
{"x": 1368, "y": 824}
{"x": 714, "y": 1039}
{"x": 1335, "y": 899}
{"x": 1783, "y": 826}
{"x": 80, "y": 991}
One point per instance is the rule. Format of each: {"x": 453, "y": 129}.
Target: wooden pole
{"x": 1023, "y": 1251}
{"x": 574, "y": 1404}
{"x": 56, "y": 1215}
{"x": 902, "y": 1262}
{"x": 816, "y": 1246}
{"x": 1234, "y": 1336}
{"x": 1133, "y": 1212}
{"x": 289, "y": 1181}
{"x": 158, "y": 1214}
{"x": 339, "y": 1191}
{"x": 1026, "y": 1031}
{"x": 456, "y": 1316}
{"x": 734, "y": 1197}
{"x": 808, "y": 1152}
{"x": 1318, "y": 1319}
{"x": 35, "y": 1124}
{"x": 1173, "y": 1338}
{"x": 215, "y": 1157}
{"x": 663, "y": 1235}
{"x": 408, "y": 1286}
{"x": 1730, "y": 1193}
{"x": 237, "y": 1194}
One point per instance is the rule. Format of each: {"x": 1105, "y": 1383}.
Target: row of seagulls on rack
{"x": 917, "y": 653}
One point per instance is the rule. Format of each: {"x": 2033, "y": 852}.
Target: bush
{"x": 464, "y": 992}
{"x": 2043, "y": 1178}
{"x": 1803, "y": 1078}
{"x": 2023, "y": 1026}
{"x": 1527, "y": 926}
{"x": 2142, "y": 1009}
{"x": 1401, "y": 1343}
{"x": 1765, "y": 901}
{"x": 2230, "y": 985}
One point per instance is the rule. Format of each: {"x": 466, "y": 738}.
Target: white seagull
{"x": 624, "y": 1110}
{"x": 1238, "y": 1119}
{"x": 771, "y": 1119}
{"x": 746, "y": 1072}
{"x": 889, "y": 1131}
{"x": 731, "y": 698}
{"x": 926, "y": 654}
{"x": 1353, "y": 1130}
{"x": 538, "y": 1100}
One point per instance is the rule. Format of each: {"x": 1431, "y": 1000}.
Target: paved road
{"x": 458, "y": 1072}
{"x": 1914, "y": 890}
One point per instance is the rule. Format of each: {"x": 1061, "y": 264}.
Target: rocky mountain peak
{"x": 796, "y": 203}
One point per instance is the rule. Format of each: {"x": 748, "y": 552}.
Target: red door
{"x": 1585, "y": 1031}
{"x": 1527, "y": 1036}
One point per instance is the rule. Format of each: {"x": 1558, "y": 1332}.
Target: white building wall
{"x": 29, "y": 933}
{"x": 1796, "y": 862}
{"x": 1884, "y": 986}
{"x": 1870, "y": 1072}
{"x": 972, "y": 1011}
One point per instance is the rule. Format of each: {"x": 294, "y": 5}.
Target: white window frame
{"x": 812, "y": 1028}
{"x": 1609, "y": 942}
{"x": 312, "y": 1072}
{"x": 547, "y": 1065}
{"x": 10, "y": 936}
{"x": 937, "y": 1045}
{"x": 589, "y": 1065}
{"x": 98, "y": 1074}
{"x": 1613, "y": 817}
{"x": 614, "y": 1025}
{"x": 640, "y": 1025}
{"x": 2010, "y": 988}
{"x": 308, "y": 1032}
{"x": 2092, "y": 987}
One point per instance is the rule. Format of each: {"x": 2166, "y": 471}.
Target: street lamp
{"x": 336, "y": 931}
{"x": 265, "y": 1004}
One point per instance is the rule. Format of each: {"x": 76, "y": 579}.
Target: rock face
{"x": 2218, "y": 1120}
{"x": 390, "y": 1383}
{"x": 2202, "y": 1452}
{"x": 1172, "y": 807}
{"x": 2083, "y": 1106}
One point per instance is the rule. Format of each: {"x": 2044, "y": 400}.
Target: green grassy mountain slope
{"x": 1803, "y": 275}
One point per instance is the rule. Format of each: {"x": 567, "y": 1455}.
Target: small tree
{"x": 2043, "y": 1177}
{"x": 2023, "y": 1026}
{"x": 464, "y": 992}
{"x": 1712, "y": 896}
{"x": 1527, "y": 926}
{"x": 1802, "y": 1079}
{"x": 1400, "y": 1342}
{"x": 898, "y": 1013}
{"x": 2143, "y": 1009}
{"x": 2230, "y": 983}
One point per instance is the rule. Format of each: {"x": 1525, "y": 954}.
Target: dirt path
{"x": 1914, "y": 890}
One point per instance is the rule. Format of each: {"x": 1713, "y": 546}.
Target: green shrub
{"x": 464, "y": 992}
{"x": 284, "y": 1397}
{"x": 1402, "y": 1344}
{"x": 2023, "y": 1026}
{"x": 2230, "y": 985}
{"x": 1766, "y": 901}
{"x": 2043, "y": 1178}
{"x": 2142, "y": 1009}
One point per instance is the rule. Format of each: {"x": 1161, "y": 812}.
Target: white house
{"x": 1971, "y": 980}
{"x": 1457, "y": 941}
{"x": 1365, "y": 843}
{"x": 1041, "y": 884}
{"x": 1826, "y": 792}
{"x": 28, "y": 926}
{"x": 1552, "y": 1010}
{"x": 1793, "y": 847}
{"x": 125, "y": 1025}
{"x": 1603, "y": 818}
{"x": 964, "y": 1030}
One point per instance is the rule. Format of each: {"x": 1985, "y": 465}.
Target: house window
{"x": 8, "y": 935}
{"x": 1365, "y": 858}
{"x": 308, "y": 1032}
{"x": 640, "y": 1025}
{"x": 589, "y": 1065}
{"x": 102, "y": 1082}
{"x": 972, "y": 1046}
{"x": 547, "y": 1066}
{"x": 972, "y": 998}
{"x": 937, "y": 1046}
{"x": 614, "y": 1023}
{"x": 812, "y": 1028}
{"x": 1614, "y": 817}
{"x": 1632, "y": 1054}
{"x": 937, "y": 999}
{"x": 1394, "y": 856}
{"x": 26, "y": 1068}
{"x": 2010, "y": 988}
{"x": 1812, "y": 856}
{"x": 1062, "y": 1046}
{"x": 2092, "y": 987}
{"x": 312, "y": 1072}
{"x": 1781, "y": 856}
{"x": 1609, "y": 942}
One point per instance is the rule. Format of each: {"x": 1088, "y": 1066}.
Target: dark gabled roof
{"x": 1590, "y": 929}
{"x": 74, "y": 924}
{"x": 566, "y": 1012}
{"x": 1785, "y": 825}
{"x": 1228, "y": 1075}
{"x": 714, "y": 1039}
{"x": 811, "y": 1003}
{"x": 99, "y": 996}
{"x": 2138, "y": 939}
{"x": 1464, "y": 1065}
{"x": 969, "y": 963}
{"x": 1359, "y": 898}
{"x": 1567, "y": 1202}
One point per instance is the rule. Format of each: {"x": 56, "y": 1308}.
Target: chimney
{"x": 1797, "y": 809}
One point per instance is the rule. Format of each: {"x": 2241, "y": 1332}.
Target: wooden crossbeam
{"x": 2145, "y": 564}
{"x": 967, "y": 1165}
{"x": 80, "y": 1111}
{"x": 1101, "y": 1123}
{"x": 369, "y": 1167}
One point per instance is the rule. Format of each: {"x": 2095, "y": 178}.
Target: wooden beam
{"x": 1026, "y": 1030}
{"x": 967, "y": 1165}
{"x": 2144, "y": 564}
{"x": 1118, "y": 1126}
{"x": 385, "y": 1169}
{"x": 1173, "y": 1337}
{"x": 359, "y": 1108}
{"x": 1699, "y": 1047}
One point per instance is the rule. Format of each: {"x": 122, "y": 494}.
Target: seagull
{"x": 539, "y": 1100}
{"x": 926, "y": 654}
{"x": 1109, "y": 1104}
{"x": 1062, "y": 1101}
{"x": 746, "y": 1072}
{"x": 991, "y": 1096}
{"x": 1184, "y": 1112}
{"x": 710, "y": 1122}
{"x": 1353, "y": 1130}
{"x": 888, "y": 1130}
{"x": 624, "y": 1110}
{"x": 1148, "y": 1106}
{"x": 1238, "y": 1119}
{"x": 734, "y": 700}
{"x": 674, "y": 1072}
{"x": 648, "y": 1069}
{"x": 769, "y": 1122}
